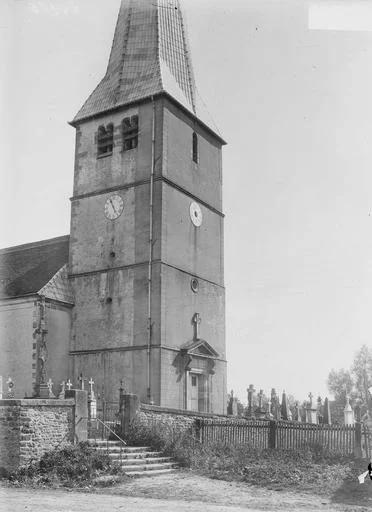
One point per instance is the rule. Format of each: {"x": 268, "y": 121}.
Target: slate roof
{"x": 27, "y": 269}
{"x": 150, "y": 55}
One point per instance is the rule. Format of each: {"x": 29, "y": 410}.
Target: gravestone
{"x": 61, "y": 395}
{"x": 297, "y": 412}
{"x": 320, "y": 410}
{"x": 275, "y": 405}
{"x": 260, "y": 411}
{"x": 348, "y": 413}
{"x": 251, "y": 392}
{"x": 327, "y": 412}
{"x": 92, "y": 402}
{"x": 269, "y": 414}
{"x": 284, "y": 406}
{"x": 311, "y": 411}
{"x": 232, "y": 407}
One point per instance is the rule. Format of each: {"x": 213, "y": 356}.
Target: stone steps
{"x": 135, "y": 460}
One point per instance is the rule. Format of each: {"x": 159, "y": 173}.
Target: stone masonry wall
{"x": 176, "y": 420}
{"x": 29, "y": 428}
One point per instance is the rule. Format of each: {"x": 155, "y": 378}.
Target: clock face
{"x": 196, "y": 215}
{"x": 114, "y": 207}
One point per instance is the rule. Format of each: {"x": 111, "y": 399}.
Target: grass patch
{"x": 313, "y": 469}
{"x": 71, "y": 466}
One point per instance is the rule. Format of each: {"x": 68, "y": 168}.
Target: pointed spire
{"x": 149, "y": 55}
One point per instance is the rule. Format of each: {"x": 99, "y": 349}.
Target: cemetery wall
{"x": 29, "y": 428}
{"x": 176, "y": 419}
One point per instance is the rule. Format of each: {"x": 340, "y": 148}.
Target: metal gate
{"x": 107, "y": 421}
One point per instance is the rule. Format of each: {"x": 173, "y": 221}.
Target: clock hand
{"x": 113, "y": 206}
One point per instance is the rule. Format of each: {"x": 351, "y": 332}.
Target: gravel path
{"x": 181, "y": 491}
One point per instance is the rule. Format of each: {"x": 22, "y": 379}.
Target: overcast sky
{"x": 294, "y": 104}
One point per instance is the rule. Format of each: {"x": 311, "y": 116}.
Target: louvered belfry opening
{"x": 130, "y": 133}
{"x": 105, "y": 140}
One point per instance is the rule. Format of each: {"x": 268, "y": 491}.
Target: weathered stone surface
{"x": 29, "y": 428}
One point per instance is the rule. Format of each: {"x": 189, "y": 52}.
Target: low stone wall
{"x": 31, "y": 427}
{"x": 175, "y": 419}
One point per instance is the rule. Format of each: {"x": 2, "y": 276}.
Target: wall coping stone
{"x": 180, "y": 412}
{"x": 37, "y": 402}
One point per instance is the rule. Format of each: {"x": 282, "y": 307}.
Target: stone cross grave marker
{"x": 61, "y": 395}
{"x": 81, "y": 380}
{"x": 91, "y": 391}
{"x": 69, "y": 384}
{"x": 250, "y": 392}
{"x": 50, "y": 388}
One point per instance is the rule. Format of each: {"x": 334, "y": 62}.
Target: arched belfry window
{"x": 130, "y": 133}
{"x": 105, "y": 140}
{"x": 195, "y": 155}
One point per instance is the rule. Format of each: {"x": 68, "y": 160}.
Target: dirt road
{"x": 181, "y": 492}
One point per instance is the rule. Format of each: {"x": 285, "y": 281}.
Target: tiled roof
{"x": 59, "y": 288}
{"x": 26, "y": 269}
{"x": 150, "y": 55}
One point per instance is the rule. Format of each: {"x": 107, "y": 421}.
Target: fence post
{"x": 129, "y": 408}
{"x": 80, "y": 414}
{"x": 198, "y": 429}
{"x": 272, "y": 434}
{"x": 358, "y": 440}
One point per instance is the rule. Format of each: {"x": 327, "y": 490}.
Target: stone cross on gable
{"x": 69, "y": 384}
{"x": 196, "y": 319}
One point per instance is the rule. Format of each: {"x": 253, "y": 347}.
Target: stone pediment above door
{"x": 199, "y": 348}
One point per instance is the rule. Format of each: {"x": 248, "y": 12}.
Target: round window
{"x": 194, "y": 285}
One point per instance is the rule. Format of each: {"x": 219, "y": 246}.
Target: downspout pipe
{"x": 149, "y": 294}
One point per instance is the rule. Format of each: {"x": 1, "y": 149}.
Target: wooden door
{"x": 193, "y": 392}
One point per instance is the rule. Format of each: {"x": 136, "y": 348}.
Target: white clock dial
{"x": 114, "y": 206}
{"x": 196, "y": 215}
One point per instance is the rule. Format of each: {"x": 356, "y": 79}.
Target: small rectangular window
{"x": 130, "y": 133}
{"x": 193, "y": 380}
{"x": 105, "y": 140}
{"x": 195, "y": 147}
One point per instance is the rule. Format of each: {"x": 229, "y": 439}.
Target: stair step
{"x": 141, "y": 462}
{"x": 150, "y": 473}
{"x": 123, "y": 449}
{"x": 104, "y": 442}
{"x": 120, "y": 447}
{"x": 149, "y": 467}
{"x": 134, "y": 455}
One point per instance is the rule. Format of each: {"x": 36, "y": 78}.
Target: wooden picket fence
{"x": 285, "y": 435}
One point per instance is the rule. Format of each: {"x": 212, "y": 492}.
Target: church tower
{"x": 146, "y": 244}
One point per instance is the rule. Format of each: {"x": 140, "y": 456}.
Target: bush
{"x": 69, "y": 466}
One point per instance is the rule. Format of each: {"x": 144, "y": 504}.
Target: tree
{"x": 356, "y": 381}
{"x": 362, "y": 372}
{"x": 340, "y": 383}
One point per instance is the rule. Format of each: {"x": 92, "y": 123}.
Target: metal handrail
{"x": 109, "y": 429}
